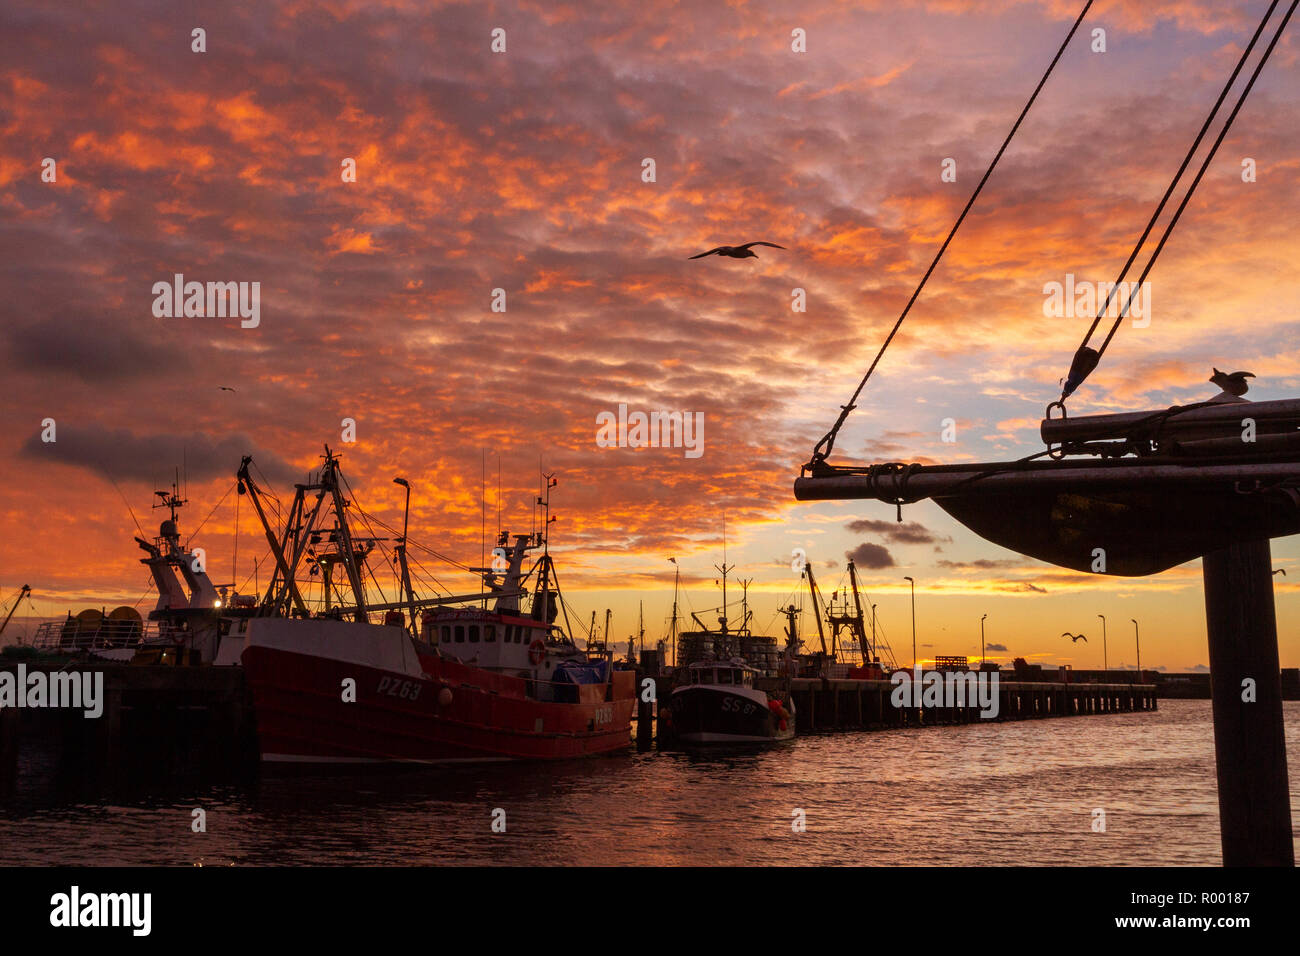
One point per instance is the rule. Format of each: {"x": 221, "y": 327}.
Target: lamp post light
{"x": 913, "y": 584}
{"x": 407, "y": 513}
{"x": 1138, "y": 639}
{"x": 874, "y": 654}
{"x": 982, "y": 642}
{"x": 1105, "y": 665}
{"x": 406, "y": 575}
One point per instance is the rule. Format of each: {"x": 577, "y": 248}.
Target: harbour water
{"x": 981, "y": 794}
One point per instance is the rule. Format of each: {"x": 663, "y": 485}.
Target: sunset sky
{"x": 523, "y": 171}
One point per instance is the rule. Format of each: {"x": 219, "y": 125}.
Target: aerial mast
{"x": 724, "y": 569}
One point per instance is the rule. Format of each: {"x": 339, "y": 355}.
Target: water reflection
{"x": 1015, "y": 793}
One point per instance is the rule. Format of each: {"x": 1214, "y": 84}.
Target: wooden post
{"x": 644, "y": 716}
{"x": 1249, "y": 742}
{"x": 9, "y": 736}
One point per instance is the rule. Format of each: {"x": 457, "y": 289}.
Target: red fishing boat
{"x": 456, "y": 678}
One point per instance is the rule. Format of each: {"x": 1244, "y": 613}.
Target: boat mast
{"x": 861, "y": 622}
{"x": 299, "y": 530}
{"x": 542, "y": 612}
{"x": 25, "y": 590}
{"x": 401, "y": 555}
{"x": 816, "y": 603}
{"x": 330, "y": 483}
{"x": 247, "y": 486}
{"x": 744, "y": 604}
{"x": 723, "y": 569}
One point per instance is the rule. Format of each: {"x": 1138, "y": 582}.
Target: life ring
{"x": 537, "y": 651}
{"x": 179, "y": 639}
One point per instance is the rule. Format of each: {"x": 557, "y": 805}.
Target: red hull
{"x": 302, "y": 717}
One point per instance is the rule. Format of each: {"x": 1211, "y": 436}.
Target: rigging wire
{"x": 823, "y": 448}
{"x": 128, "y": 506}
{"x": 1085, "y": 359}
{"x": 194, "y": 533}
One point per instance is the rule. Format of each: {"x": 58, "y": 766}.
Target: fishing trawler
{"x": 436, "y": 680}
{"x": 714, "y": 700}
{"x": 857, "y": 658}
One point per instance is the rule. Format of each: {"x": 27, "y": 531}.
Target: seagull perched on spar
{"x": 1233, "y": 383}
{"x": 737, "y": 252}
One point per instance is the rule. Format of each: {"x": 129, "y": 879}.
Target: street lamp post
{"x": 982, "y": 642}
{"x": 913, "y": 584}
{"x": 1105, "y": 663}
{"x": 1138, "y": 639}
{"x": 406, "y": 574}
{"x": 406, "y": 514}
{"x": 874, "y": 655}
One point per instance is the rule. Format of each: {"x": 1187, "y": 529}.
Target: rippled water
{"x": 1014, "y": 793}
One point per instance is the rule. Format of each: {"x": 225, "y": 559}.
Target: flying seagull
{"x": 737, "y": 252}
{"x": 225, "y": 388}
{"x": 1075, "y": 638}
{"x": 1234, "y": 383}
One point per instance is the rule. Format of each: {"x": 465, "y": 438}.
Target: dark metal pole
{"x": 1105, "y": 657}
{"x": 405, "y": 567}
{"x": 1137, "y": 638}
{"x": 913, "y": 584}
{"x": 1249, "y": 741}
{"x": 874, "y": 655}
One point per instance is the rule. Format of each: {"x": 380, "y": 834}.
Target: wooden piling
{"x": 644, "y": 715}
{"x": 8, "y": 748}
{"x": 1249, "y": 736}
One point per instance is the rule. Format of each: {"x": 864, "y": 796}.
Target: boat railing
{"x": 101, "y": 635}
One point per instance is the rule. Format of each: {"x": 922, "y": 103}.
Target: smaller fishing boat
{"x": 714, "y": 700}
{"x": 717, "y": 703}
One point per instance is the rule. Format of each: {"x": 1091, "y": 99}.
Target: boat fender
{"x": 444, "y": 697}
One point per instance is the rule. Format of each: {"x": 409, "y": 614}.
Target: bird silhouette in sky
{"x": 1233, "y": 383}
{"x": 225, "y": 388}
{"x": 1075, "y": 638}
{"x": 737, "y": 252}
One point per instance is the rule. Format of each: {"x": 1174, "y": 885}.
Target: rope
{"x": 1084, "y": 363}
{"x": 1204, "y": 166}
{"x": 824, "y": 447}
{"x": 194, "y": 533}
{"x": 128, "y": 507}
